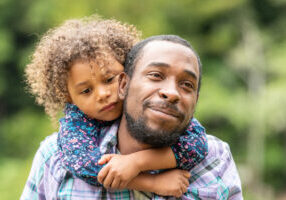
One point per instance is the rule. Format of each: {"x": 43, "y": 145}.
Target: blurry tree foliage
{"x": 242, "y": 46}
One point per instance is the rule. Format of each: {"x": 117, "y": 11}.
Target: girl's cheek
{"x": 115, "y": 85}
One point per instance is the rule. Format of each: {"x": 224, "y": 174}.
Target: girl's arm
{"x": 192, "y": 146}
{"x": 178, "y": 182}
{"x": 78, "y": 142}
{"x": 190, "y": 149}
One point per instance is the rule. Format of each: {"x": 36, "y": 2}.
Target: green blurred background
{"x": 242, "y": 45}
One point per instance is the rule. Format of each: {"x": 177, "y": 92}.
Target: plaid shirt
{"x": 216, "y": 177}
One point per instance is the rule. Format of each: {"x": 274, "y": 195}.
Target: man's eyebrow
{"x": 192, "y": 74}
{"x": 162, "y": 64}
{"x": 158, "y": 64}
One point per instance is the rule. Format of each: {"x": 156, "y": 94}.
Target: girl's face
{"x": 93, "y": 89}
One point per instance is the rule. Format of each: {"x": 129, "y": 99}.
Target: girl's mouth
{"x": 108, "y": 107}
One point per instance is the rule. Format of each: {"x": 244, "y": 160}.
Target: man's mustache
{"x": 164, "y": 105}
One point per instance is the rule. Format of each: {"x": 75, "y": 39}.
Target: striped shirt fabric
{"x": 216, "y": 177}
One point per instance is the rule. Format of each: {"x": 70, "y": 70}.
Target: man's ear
{"x": 198, "y": 95}
{"x": 123, "y": 85}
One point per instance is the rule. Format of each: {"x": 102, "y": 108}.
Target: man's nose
{"x": 169, "y": 93}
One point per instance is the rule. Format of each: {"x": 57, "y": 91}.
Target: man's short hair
{"x": 136, "y": 53}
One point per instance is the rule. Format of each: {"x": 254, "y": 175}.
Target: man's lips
{"x": 165, "y": 108}
{"x": 166, "y": 111}
{"x": 108, "y": 107}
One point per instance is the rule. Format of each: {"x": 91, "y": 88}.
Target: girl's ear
{"x": 123, "y": 85}
{"x": 68, "y": 99}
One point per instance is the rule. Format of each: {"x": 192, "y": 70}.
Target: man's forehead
{"x": 163, "y": 51}
{"x": 164, "y": 46}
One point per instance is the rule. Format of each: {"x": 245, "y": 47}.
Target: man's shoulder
{"x": 217, "y": 147}
{"x": 48, "y": 146}
{"x": 46, "y": 172}
{"x": 218, "y": 150}
{"x": 216, "y": 177}
{"x": 47, "y": 159}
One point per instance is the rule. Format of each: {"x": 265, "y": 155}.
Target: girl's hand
{"x": 118, "y": 172}
{"x": 105, "y": 158}
{"x": 171, "y": 183}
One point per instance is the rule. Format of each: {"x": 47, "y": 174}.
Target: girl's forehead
{"x": 105, "y": 67}
{"x": 98, "y": 66}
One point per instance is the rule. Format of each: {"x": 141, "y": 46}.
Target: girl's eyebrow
{"x": 81, "y": 83}
{"x": 108, "y": 71}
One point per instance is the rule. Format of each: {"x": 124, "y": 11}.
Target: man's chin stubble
{"x": 143, "y": 134}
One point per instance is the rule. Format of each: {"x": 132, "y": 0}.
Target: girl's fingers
{"x": 102, "y": 174}
{"x": 187, "y": 174}
{"x": 185, "y": 182}
{"x": 105, "y": 158}
{"x": 184, "y": 189}
{"x": 123, "y": 185}
{"x": 115, "y": 183}
{"x": 108, "y": 181}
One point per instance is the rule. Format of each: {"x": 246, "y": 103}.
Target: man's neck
{"x": 126, "y": 143}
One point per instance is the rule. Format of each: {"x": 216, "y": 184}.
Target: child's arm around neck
{"x": 78, "y": 141}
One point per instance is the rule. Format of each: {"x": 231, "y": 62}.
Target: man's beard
{"x": 142, "y": 133}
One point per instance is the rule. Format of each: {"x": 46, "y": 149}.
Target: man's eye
{"x": 86, "y": 91}
{"x": 187, "y": 85}
{"x": 155, "y": 76}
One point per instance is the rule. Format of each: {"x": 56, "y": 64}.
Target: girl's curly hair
{"x": 86, "y": 38}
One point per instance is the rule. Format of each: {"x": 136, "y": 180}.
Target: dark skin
{"x": 167, "y": 72}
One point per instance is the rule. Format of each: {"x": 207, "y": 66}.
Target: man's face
{"x": 162, "y": 93}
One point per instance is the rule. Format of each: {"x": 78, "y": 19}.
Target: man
{"x": 161, "y": 89}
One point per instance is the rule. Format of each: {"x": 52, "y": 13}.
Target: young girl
{"x": 75, "y": 67}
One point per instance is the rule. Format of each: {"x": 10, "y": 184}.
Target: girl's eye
{"x": 109, "y": 80}
{"x": 86, "y": 91}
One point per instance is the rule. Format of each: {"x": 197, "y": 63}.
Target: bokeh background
{"x": 242, "y": 44}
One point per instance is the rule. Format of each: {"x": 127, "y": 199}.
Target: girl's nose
{"x": 103, "y": 94}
